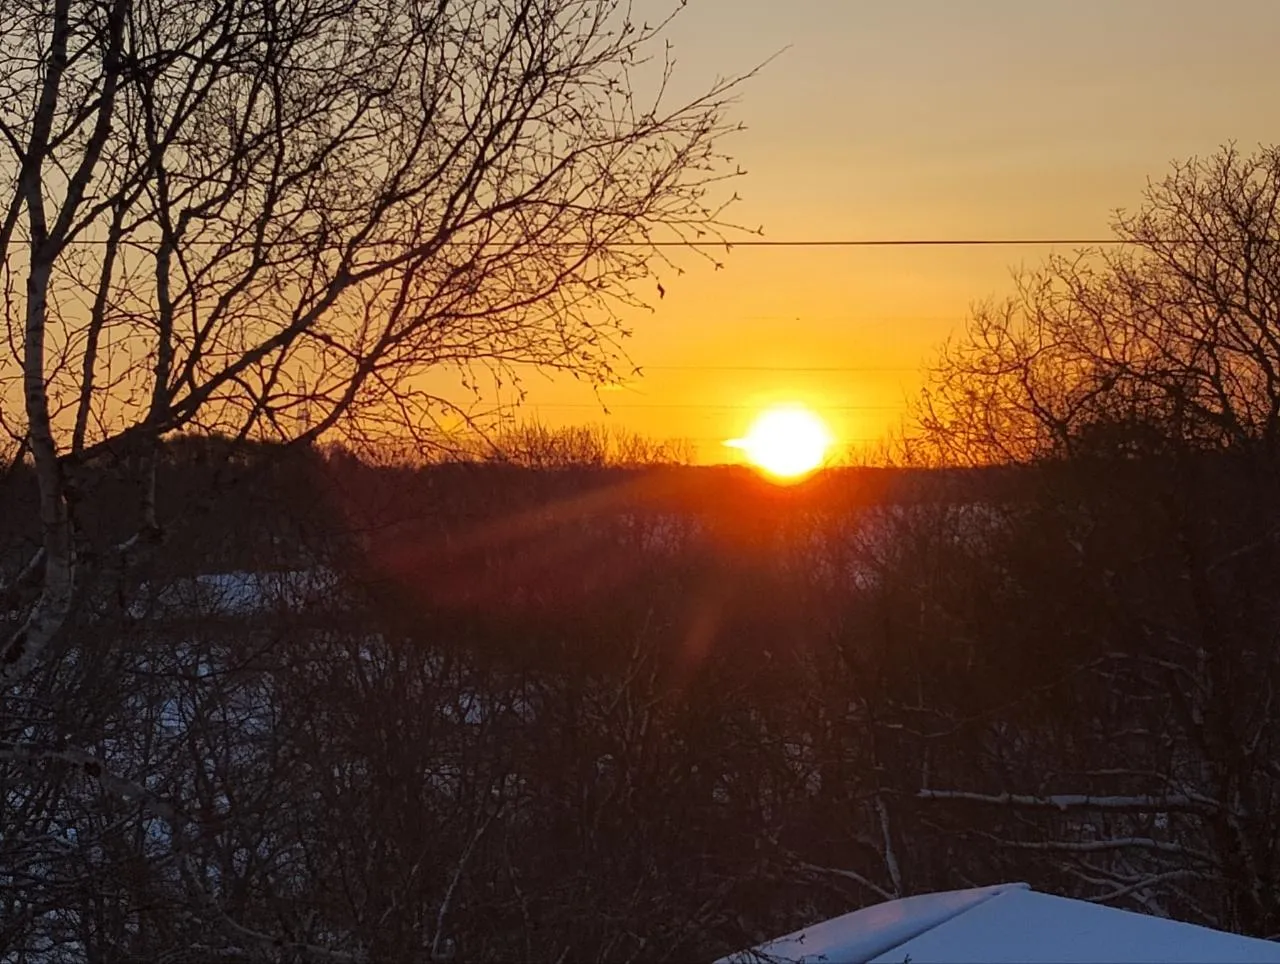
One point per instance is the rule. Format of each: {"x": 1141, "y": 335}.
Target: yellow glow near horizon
{"x": 952, "y": 141}
{"x": 786, "y": 441}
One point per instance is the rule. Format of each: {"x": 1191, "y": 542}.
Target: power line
{"x": 715, "y": 440}
{"x": 970, "y": 242}
{"x": 891, "y": 242}
{"x": 700, "y": 407}
{"x": 777, "y": 368}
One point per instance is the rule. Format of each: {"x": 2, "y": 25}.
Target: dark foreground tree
{"x": 1143, "y": 574}
{"x": 1171, "y": 339}
{"x": 271, "y": 220}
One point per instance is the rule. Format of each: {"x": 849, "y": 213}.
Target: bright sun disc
{"x": 786, "y": 441}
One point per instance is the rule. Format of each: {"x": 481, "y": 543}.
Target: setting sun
{"x": 786, "y": 441}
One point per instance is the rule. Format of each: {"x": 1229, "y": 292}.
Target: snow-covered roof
{"x": 1007, "y": 923}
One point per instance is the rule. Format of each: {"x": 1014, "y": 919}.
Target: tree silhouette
{"x": 270, "y": 221}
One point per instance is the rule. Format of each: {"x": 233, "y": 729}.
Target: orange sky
{"x": 915, "y": 118}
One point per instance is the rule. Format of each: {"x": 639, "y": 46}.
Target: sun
{"x": 786, "y": 441}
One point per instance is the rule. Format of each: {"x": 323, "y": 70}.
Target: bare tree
{"x": 1145, "y": 381}
{"x": 1170, "y": 339}
{"x": 270, "y": 220}
{"x": 536, "y": 445}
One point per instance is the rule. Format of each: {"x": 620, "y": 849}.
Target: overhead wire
{"x": 794, "y": 243}
{"x": 842, "y": 369}
{"x": 758, "y": 242}
{"x": 707, "y": 406}
{"x": 889, "y": 242}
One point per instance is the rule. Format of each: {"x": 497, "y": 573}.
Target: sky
{"x": 913, "y": 119}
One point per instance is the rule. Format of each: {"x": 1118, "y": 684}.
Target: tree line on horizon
{"x": 509, "y": 712}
